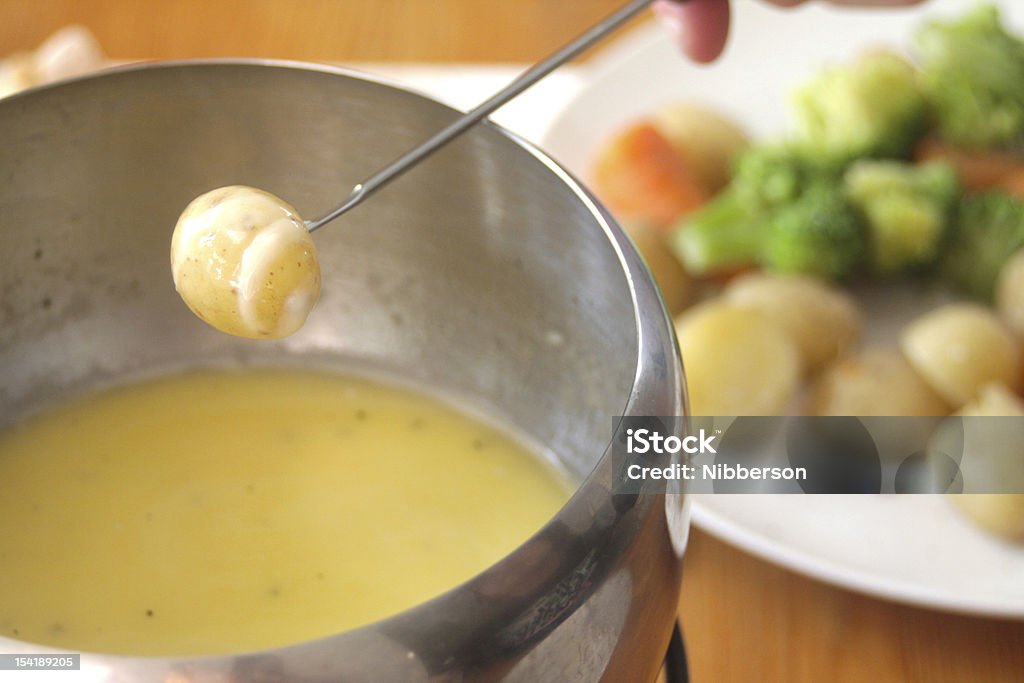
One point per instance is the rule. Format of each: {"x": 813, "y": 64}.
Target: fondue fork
{"x": 536, "y": 72}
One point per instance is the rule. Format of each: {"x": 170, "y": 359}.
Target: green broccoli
{"x": 973, "y": 75}
{"x": 724, "y": 235}
{"x": 771, "y": 176}
{"x": 988, "y": 228}
{"x": 907, "y": 210}
{"x": 872, "y": 107}
{"x": 820, "y": 234}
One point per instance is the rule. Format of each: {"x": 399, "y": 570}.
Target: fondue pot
{"x": 487, "y": 272}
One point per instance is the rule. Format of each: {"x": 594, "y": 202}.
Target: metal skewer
{"x": 538, "y": 71}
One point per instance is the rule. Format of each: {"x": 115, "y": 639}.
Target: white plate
{"x": 913, "y": 549}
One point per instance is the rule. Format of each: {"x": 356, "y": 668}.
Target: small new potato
{"x": 675, "y": 283}
{"x": 707, "y": 139}
{"x": 876, "y": 382}
{"x": 1010, "y": 293}
{"x": 959, "y": 348}
{"x": 994, "y": 400}
{"x": 999, "y": 513}
{"x": 738, "y": 361}
{"x": 823, "y": 320}
{"x": 244, "y": 262}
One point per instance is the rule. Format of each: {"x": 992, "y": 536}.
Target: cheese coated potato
{"x": 244, "y": 262}
{"x": 737, "y": 361}
{"x": 875, "y": 382}
{"x": 959, "y": 348}
{"x": 1010, "y": 293}
{"x": 823, "y": 320}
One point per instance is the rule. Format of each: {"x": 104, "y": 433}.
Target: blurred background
{"x": 322, "y": 30}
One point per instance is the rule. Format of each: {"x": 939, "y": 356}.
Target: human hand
{"x": 701, "y": 26}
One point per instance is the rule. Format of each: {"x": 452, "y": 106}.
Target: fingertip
{"x": 700, "y": 26}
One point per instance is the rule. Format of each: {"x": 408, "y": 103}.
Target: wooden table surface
{"x": 745, "y": 620}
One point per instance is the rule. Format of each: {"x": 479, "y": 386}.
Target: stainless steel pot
{"x": 487, "y": 272}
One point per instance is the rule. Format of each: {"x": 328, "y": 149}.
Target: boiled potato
{"x": 675, "y": 284}
{"x": 994, "y": 400}
{"x": 875, "y": 382}
{"x": 822, "y": 320}
{"x": 1010, "y": 293}
{"x": 737, "y": 361}
{"x": 708, "y": 140}
{"x": 959, "y": 348}
{"x": 244, "y": 262}
{"x": 17, "y": 72}
{"x": 69, "y": 52}
{"x": 682, "y": 320}
{"x": 998, "y": 513}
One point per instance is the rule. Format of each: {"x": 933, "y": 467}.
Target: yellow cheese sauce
{"x": 219, "y": 511}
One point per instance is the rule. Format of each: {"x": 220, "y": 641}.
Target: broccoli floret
{"x": 772, "y": 176}
{"x": 820, "y": 234}
{"x": 872, "y": 107}
{"x": 907, "y": 210}
{"x": 988, "y": 228}
{"x": 973, "y": 75}
{"x": 726, "y": 233}
{"x": 722, "y": 236}
{"x": 772, "y": 185}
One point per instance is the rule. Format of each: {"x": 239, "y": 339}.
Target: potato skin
{"x": 1001, "y": 514}
{"x": 708, "y": 140}
{"x": 737, "y": 361}
{"x": 960, "y": 348}
{"x": 244, "y": 262}
{"x": 875, "y": 382}
{"x": 994, "y": 400}
{"x": 676, "y": 285}
{"x": 1010, "y": 293}
{"x": 823, "y": 321}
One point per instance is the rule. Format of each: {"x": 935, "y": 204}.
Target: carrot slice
{"x": 1014, "y": 184}
{"x": 640, "y": 176}
{"x": 978, "y": 169}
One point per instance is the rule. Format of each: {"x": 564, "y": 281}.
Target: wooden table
{"x": 745, "y": 620}
{"x": 325, "y": 30}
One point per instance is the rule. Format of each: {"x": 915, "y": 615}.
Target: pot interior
{"x": 481, "y": 272}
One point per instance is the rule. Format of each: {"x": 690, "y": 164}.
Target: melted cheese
{"x": 244, "y": 262}
{"x": 220, "y": 512}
